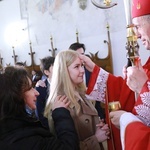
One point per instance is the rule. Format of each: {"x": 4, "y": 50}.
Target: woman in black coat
{"x": 18, "y": 130}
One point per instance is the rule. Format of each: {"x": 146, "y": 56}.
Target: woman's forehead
{"x": 77, "y": 60}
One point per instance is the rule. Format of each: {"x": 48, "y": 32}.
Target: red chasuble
{"x": 137, "y": 137}
{"x": 106, "y": 88}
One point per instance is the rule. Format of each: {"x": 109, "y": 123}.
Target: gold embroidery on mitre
{"x": 138, "y": 6}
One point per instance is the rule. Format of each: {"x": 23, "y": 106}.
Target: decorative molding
{"x": 105, "y": 63}
{"x": 106, "y": 4}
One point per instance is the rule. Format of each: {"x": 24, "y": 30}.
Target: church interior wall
{"x": 62, "y": 20}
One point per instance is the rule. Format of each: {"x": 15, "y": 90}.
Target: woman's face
{"x": 76, "y": 71}
{"x": 30, "y": 97}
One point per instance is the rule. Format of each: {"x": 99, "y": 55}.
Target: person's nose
{"x": 36, "y": 92}
{"x": 82, "y": 69}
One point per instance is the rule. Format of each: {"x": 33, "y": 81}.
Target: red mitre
{"x": 140, "y": 8}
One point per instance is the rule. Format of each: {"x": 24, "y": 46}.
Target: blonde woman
{"x": 67, "y": 79}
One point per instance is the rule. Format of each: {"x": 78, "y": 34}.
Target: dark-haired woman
{"x": 18, "y": 130}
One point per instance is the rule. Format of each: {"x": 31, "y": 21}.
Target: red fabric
{"x": 137, "y": 137}
{"x": 139, "y": 101}
{"x": 117, "y": 90}
{"x": 145, "y": 88}
{"x": 140, "y": 8}
{"x": 93, "y": 78}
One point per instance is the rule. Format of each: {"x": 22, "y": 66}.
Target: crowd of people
{"x": 64, "y": 117}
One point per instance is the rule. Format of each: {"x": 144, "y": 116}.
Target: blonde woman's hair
{"x": 61, "y": 83}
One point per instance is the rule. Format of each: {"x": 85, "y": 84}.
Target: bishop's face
{"x": 142, "y": 30}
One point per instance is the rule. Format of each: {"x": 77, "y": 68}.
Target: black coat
{"x": 26, "y": 134}
{"x": 40, "y": 103}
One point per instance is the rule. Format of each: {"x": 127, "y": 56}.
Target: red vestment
{"x": 106, "y": 88}
{"x": 137, "y": 137}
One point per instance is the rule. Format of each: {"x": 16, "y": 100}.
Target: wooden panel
{"x": 105, "y": 63}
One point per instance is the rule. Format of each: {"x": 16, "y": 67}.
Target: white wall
{"x": 61, "y": 22}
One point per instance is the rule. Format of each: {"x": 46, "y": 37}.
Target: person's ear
{"x": 46, "y": 72}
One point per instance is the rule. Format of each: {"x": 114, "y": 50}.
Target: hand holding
{"x": 102, "y": 133}
{"x": 115, "y": 117}
{"x": 136, "y": 77}
{"x": 61, "y": 101}
{"x": 101, "y": 123}
{"x": 40, "y": 83}
{"x": 88, "y": 63}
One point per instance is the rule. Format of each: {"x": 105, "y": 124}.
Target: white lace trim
{"x": 143, "y": 110}
{"x": 99, "y": 90}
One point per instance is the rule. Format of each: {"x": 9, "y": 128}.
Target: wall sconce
{"x": 82, "y": 4}
{"x": 106, "y": 4}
